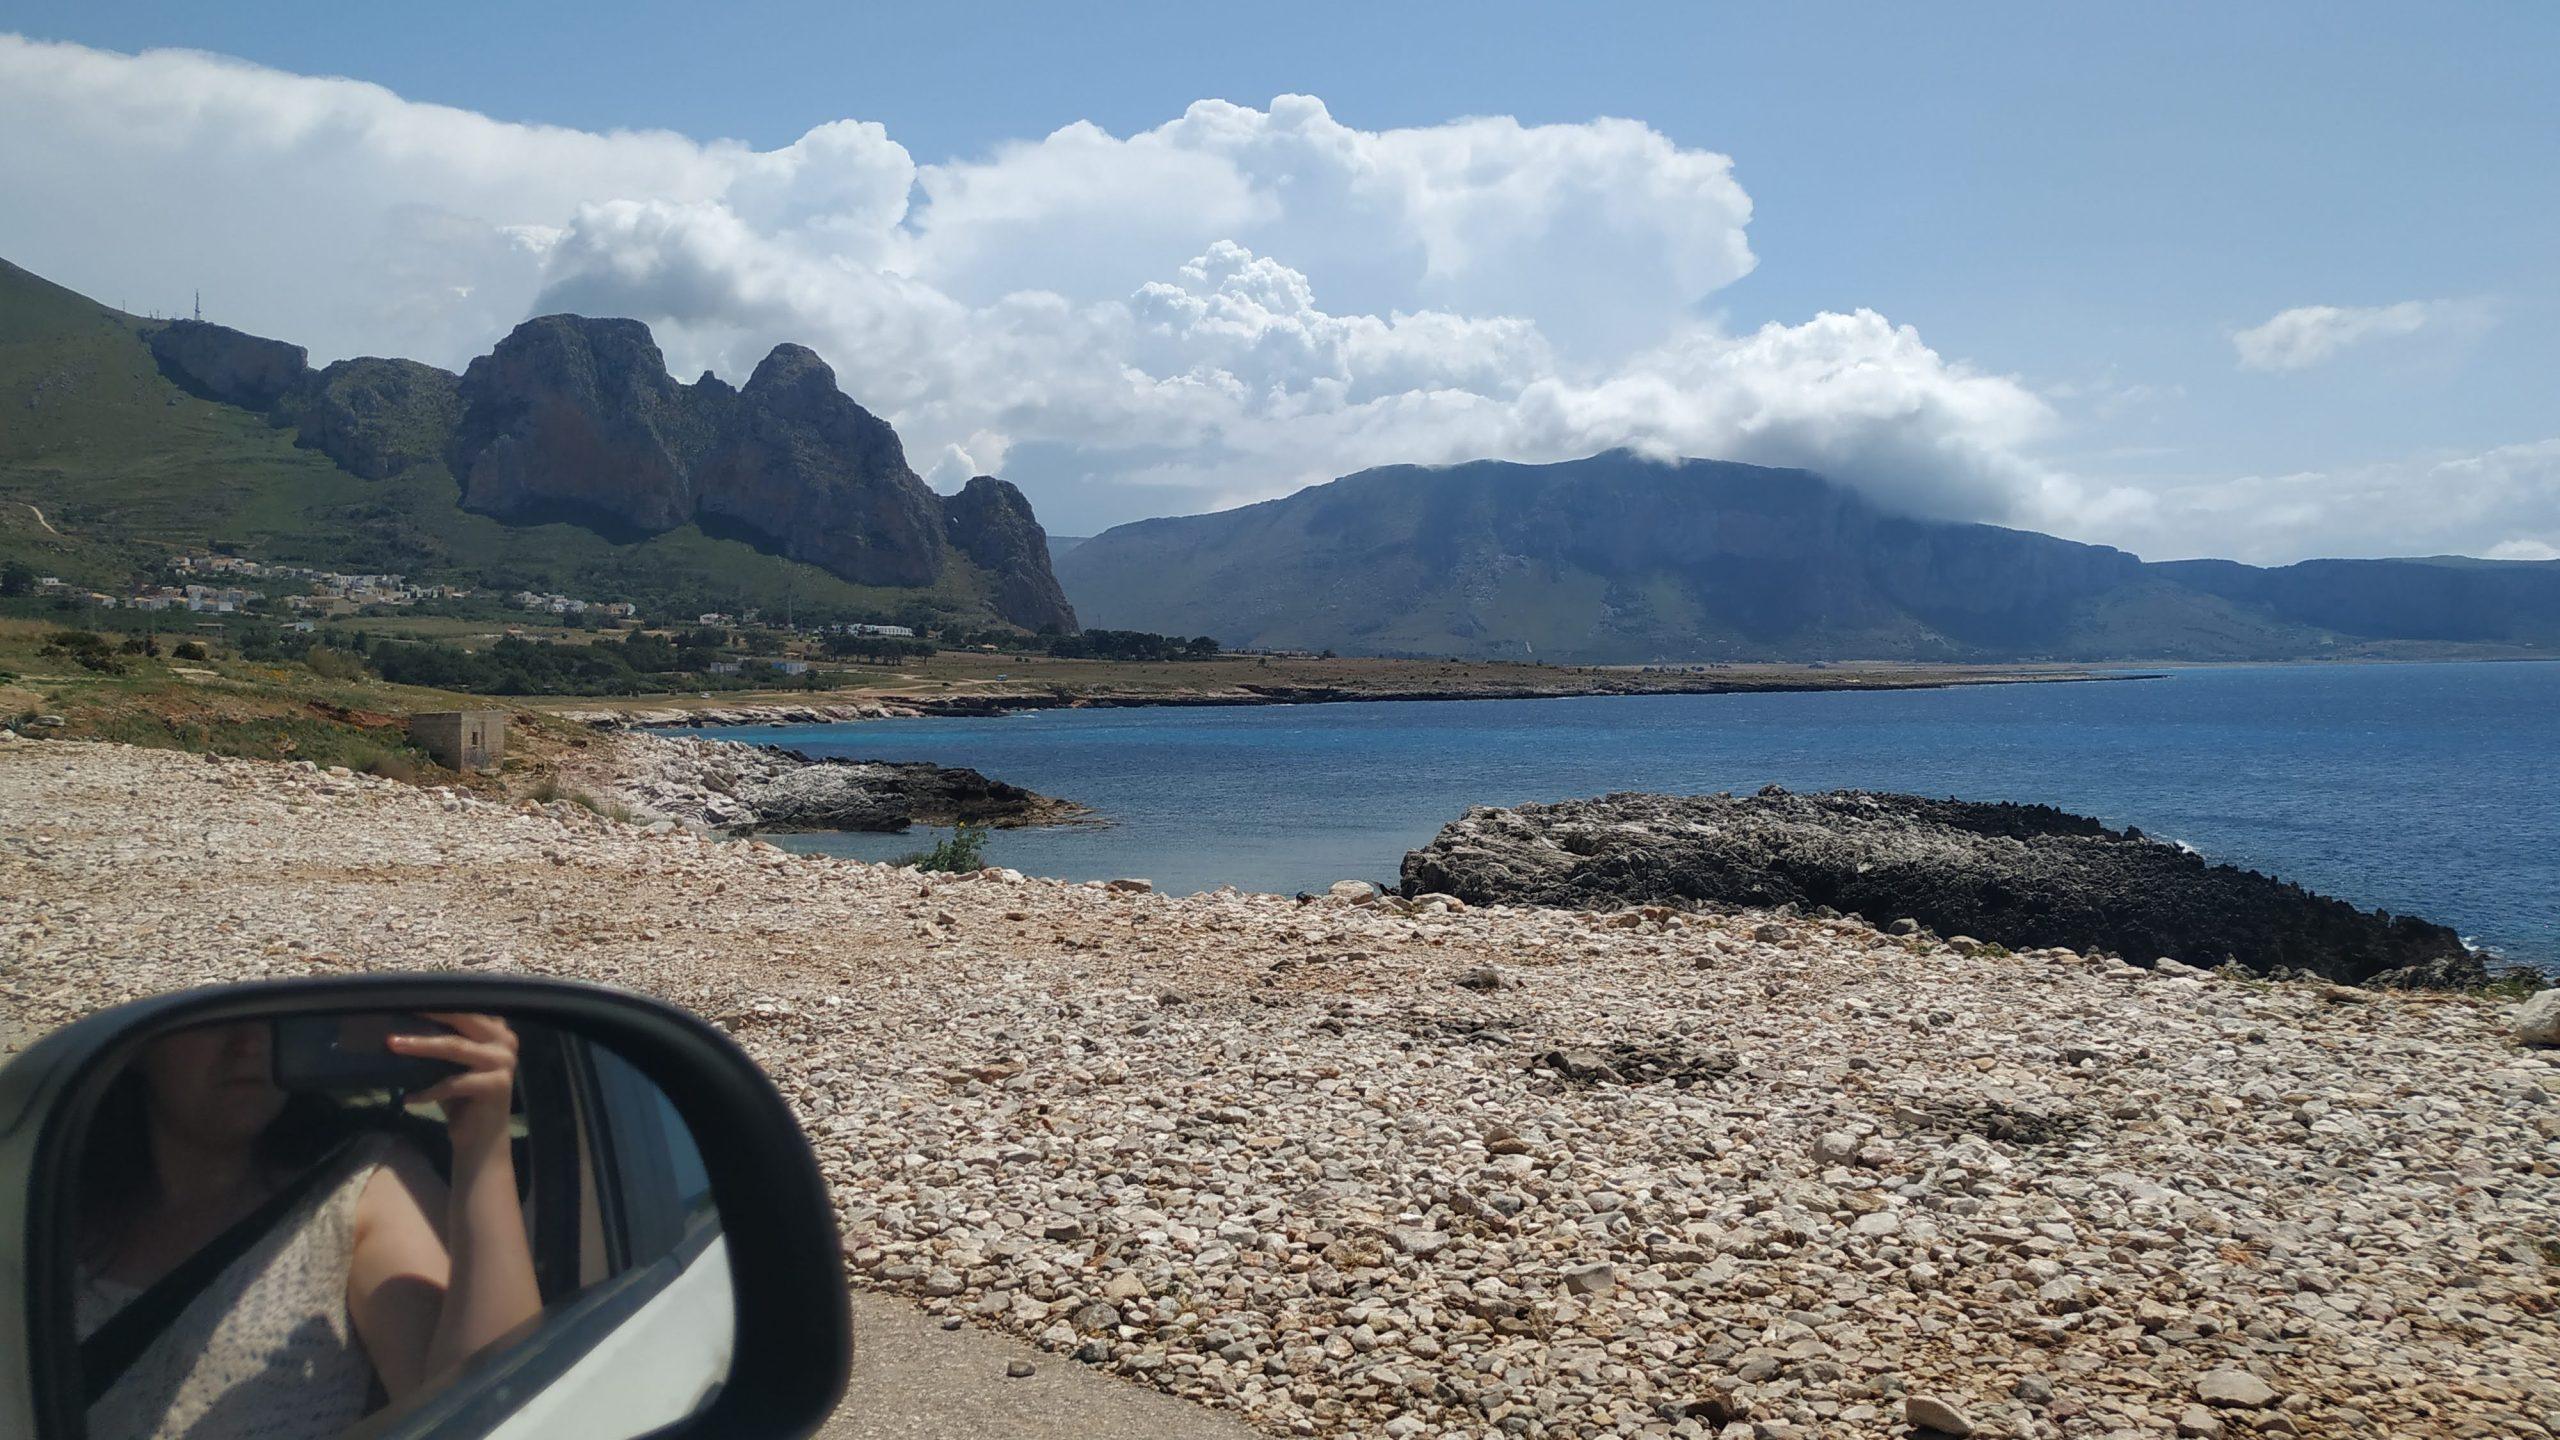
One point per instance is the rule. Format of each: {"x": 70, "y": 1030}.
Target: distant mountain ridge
{"x": 569, "y": 420}
{"x": 1616, "y": 559}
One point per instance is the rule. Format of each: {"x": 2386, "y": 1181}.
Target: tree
{"x": 17, "y": 578}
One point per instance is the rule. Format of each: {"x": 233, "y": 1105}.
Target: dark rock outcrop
{"x": 723, "y": 785}
{"x": 572, "y": 417}
{"x": 796, "y": 464}
{"x": 217, "y": 362}
{"x": 376, "y": 417}
{"x": 990, "y": 522}
{"x": 578, "y": 418}
{"x": 2024, "y": 876}
{"x": 831, "y": 794}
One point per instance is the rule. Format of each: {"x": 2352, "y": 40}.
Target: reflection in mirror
{"x": 284, "y": 1227}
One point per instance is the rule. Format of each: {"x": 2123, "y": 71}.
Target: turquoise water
{"x": 2427, "y": 789}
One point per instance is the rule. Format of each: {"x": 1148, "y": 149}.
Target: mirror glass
{"x": 313, "y": 1225}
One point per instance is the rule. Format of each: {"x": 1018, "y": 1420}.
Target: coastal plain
{"x": 1366, "y": 1166}
{"x": 962, "y": 682}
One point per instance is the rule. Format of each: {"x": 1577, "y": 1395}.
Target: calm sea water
{"x": 2432, "y": 790}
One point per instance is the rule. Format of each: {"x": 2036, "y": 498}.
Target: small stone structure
{"x": 461, "y": 739}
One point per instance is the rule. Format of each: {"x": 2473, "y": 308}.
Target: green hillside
{"x": 107, "y": 468}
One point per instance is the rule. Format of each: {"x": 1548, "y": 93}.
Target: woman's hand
{"x": 476, "y": 1102}
{"x": 442, "y": 1271}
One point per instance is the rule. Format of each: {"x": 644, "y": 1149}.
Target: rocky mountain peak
{"x": 792, "y": 368}
{"x": 990, "y": 522}
{"x": 575, "y": 418}
{"x": 578, "y": 416}
{"x": 572, "y": 416}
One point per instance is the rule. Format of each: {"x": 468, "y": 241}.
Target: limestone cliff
{"x": 578, "y": 418}
{"x": 376, "y": 417}
{"x": 798, "y": 466}
{"x": 574, "y": 418}
{"x": 990, "y": 522}
{"x": 220, "y": 363}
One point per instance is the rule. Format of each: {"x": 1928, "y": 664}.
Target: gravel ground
{"x": 1344, "y": 1170}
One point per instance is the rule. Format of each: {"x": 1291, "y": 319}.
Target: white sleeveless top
{"x": 268, "y": 1350}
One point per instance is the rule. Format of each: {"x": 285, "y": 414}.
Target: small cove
{"x": 2432, "y": 789}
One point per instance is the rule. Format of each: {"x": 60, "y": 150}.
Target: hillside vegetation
{"x": 108, "y": 466}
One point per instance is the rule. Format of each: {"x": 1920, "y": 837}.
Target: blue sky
{"x": 2088, "y": 202}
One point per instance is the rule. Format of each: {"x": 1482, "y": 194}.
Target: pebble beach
{"x": 1362, "y": 1165}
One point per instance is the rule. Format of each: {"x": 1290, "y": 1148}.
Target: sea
{"x": 2423, "y": 789}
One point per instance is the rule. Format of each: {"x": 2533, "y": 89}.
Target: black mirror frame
{"x": 793, "y": 1349}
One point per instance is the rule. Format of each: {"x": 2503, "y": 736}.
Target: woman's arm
{"x": 441, "y": 1272}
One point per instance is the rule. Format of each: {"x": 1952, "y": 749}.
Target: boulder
{"x": 2537, "y": 1020}
{"x": 1590, "y": 1280}
{"x": 2235, "y": 1390}
{"x": 1935, "y": 1416}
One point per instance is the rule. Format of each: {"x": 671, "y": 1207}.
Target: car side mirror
{"x": 397, "y": 1206}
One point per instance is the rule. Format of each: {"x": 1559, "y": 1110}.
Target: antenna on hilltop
{"x": 199, "y": 307}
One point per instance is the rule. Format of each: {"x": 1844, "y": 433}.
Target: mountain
{"x": 565, "y": 459}
{"x": 1617, "y": 559}
{"x": 2437, "y": 597}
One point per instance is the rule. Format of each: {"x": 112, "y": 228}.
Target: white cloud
{"x": 2523, "y": 550}
{"x": 1233, "y": 303}
{"x": 2502, "y": 503}
{"x": 1219, "y": 309}
{"x": 2309, "y": 334}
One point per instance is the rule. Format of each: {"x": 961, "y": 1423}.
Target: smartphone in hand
{"x": 338, "y": 1054}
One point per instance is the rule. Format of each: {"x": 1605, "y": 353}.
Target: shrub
{"x": 190, "y": 650}
{"x": 332, "y": 664}
{"x": 397, "y": 767}
{"x": 962, "y": 851}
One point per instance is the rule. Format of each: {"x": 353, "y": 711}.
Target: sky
{"x": 2267, "y": 281}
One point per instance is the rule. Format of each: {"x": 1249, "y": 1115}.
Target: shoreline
{"x": 650, "y": 713}
{"x": 742, "y": 788}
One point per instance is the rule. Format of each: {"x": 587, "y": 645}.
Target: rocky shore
{"x": 2019, "y": 876}
{"x": 725, "y": 786}
{"x": 1408, "y": 1167}
{"x": 997, "y": 700}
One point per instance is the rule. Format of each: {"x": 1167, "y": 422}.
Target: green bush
{"x": 89, "y": 651}
{"x": 962, "y": 851}
{"x": 1131, "y": 645}
{"x": 333, "y": 664}
{"x": 397, "y": 767}
{"x": 190, "y": 650}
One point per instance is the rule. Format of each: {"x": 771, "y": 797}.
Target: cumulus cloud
{"x": 2306, "y": 335}
{"x": 1217, "y": 309}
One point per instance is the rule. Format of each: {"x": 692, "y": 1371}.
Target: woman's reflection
{"x": 374, "y": 1278}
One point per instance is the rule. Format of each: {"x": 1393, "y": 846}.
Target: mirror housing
{"x": 793, "y": 1343}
